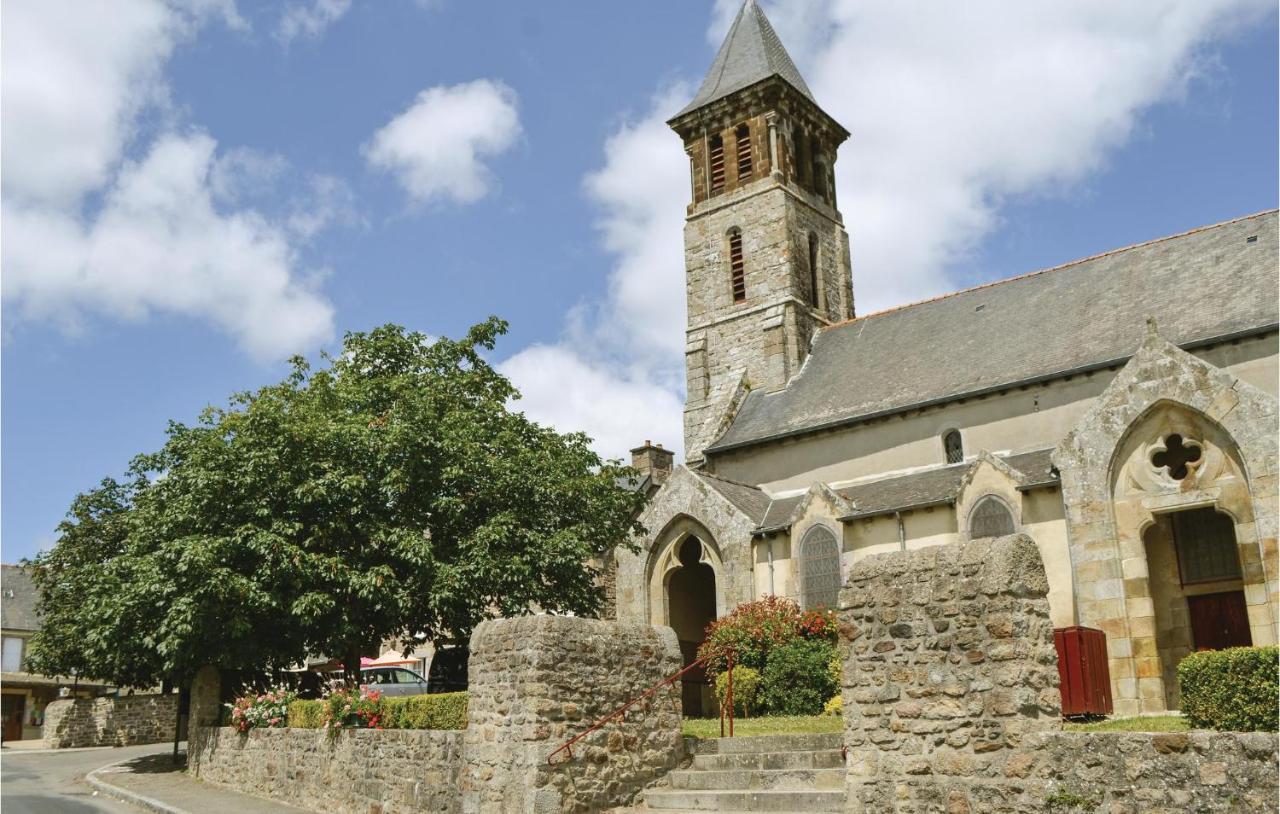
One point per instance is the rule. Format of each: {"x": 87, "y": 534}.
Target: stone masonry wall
{"x": 125, "y": 721}
{"x": 951, "y": 702}
{"x": 537, "y": 681}
{"x": 353, "y": 772}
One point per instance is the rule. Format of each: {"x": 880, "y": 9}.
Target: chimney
{"x": 653, "y": 461}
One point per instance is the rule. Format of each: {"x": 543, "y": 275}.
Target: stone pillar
{"x": 204, "y": 711}
{"x": 948, "y": 663}
{"x": 537, "y": 681}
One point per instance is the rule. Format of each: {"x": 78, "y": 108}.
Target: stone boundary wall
{"x": 129, "y": 720}
{"x": 353, "y": 772}
{"x": 535, "y": 682}
{"x": 951, "y": 702}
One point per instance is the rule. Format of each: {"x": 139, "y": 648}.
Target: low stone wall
{"x": 125, "y": 721}
{"x": 352, "y": 772}
{"x": 951, "y": 703}
{"x": 537, "y": 681}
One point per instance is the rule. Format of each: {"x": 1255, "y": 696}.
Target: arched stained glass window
{"x": 819, "y": 569}
{"x": 953, "y": 447}
{"x": 990, "y": 518}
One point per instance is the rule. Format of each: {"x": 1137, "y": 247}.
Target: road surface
{"x": 53, "y": 783}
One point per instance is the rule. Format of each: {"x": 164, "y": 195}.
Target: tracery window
{"x": 819, "y": 569}
{"x": 1176, "y": 456}
{"x": 990, "y": 518}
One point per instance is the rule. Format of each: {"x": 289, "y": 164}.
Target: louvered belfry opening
{"x": 737, "y": 269}
{"x": 716, "y": 153}
{"x": 813, "y": 269}
{"x": 745, "y": 168}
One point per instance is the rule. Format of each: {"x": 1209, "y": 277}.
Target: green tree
{"x": 389, "y": 493}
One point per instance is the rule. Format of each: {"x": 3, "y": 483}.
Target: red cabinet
{"x": 1083, "y": 675}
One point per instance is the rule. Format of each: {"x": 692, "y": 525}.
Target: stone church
{"x": 1120, "y": 409}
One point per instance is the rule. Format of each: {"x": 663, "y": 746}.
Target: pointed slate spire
{"x": 750, "y": 53}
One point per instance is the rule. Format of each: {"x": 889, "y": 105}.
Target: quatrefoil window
{"x": 1176, "y": 456}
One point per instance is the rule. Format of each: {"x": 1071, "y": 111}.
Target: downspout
{"x": 902, "y": 532}
{"x": 769, "y": 542}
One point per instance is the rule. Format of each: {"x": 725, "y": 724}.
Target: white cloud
{"x": 437, "y": 146}
{"x": 563, "y": 389}
{"x": 88, "y": 232}
{"x": 159, "y": 244}
{"x": 953, "y": 108}
{"x": 309, "y": 20}
{"x": 617, "y": 372}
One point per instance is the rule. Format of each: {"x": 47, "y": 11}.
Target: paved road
{"x": 53, "y": 783}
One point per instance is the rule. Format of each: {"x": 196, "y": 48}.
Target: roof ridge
{"x": 1059, "y": 267}
{"x": 723, "y": 479}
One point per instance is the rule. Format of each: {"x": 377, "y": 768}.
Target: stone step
{"x": 766, "y": 761}
{"x": 763, "y": 743}
{"x": 742, "y": 779}
{"x": 755, "y": 800}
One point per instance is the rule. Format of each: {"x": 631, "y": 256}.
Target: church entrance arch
{"x": 685, "y": 591}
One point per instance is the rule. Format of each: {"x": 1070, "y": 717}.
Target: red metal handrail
{"x": 567, "y": 746}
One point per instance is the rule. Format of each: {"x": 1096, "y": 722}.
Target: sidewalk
{"x": 154, "y": 783}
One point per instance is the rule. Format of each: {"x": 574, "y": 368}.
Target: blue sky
{"x": 195, "y": 189}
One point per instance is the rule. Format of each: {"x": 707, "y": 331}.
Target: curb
{"x": 125, "y": 795}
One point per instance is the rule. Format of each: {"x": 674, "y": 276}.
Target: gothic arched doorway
{"x": 691, "y": 606}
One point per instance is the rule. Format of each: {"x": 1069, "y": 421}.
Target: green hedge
{"x": 746, "y": 687}
{"x": 440, "y": 711}
{"x": 1234, "y": 689}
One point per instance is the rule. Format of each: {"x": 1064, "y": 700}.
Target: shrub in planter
{"x": 354, "y": 709}
{"x": 746, "y": 690}
{"x": 262, "y": 710}
{"x": 796, "y": 678}
{"x": 446, "y": 710}
{"x": 1233, "y": 689}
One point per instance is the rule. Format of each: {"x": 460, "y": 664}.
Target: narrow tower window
{"x": 743, "y": 135}
{"x": 737, "y": 270}
{"x": 813, "y": 269}
{"x": 953, "y": 446}
{"x": 715, "y": 147}
{"x": 818, "y": 172}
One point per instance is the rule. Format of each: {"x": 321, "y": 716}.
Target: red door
{"x": 14, "y": 706}
{"x": 1219, "y": 621}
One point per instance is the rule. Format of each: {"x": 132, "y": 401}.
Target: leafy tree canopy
{"x": 390, "y": 493}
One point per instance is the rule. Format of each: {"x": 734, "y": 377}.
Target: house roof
{"x": 1207, "y": 284}
{"x": 927, "y": 487}
{"x": 17, "y": 599}
{"x": 751, "y": 53}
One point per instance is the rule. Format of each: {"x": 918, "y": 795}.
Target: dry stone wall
{"x": 129, "y": 720}
{"x": 537, "y": 681}
{"x": 354, "y": 772}
{"x": 951, "y": 703}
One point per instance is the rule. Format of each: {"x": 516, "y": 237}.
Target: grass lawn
{"x": 779, "y": 725}
{"x": 1155, "y": 723}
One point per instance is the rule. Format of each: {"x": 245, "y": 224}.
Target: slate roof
{"x": 752, "y": 501}
{"x": 751, "y": 53}
{"x": 1206, "y": 284}
{"x": 927, "y": 487}
{"x": 17, "y": 612}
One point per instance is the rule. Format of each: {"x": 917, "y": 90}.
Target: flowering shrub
{"x": 755, "y": 628}
{"x": 355, "y": 709}
{"x": 268, "y": 709}
{"x": 804, "y": 641}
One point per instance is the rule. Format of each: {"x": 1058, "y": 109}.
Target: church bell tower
{"x": 766, "y": 253}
